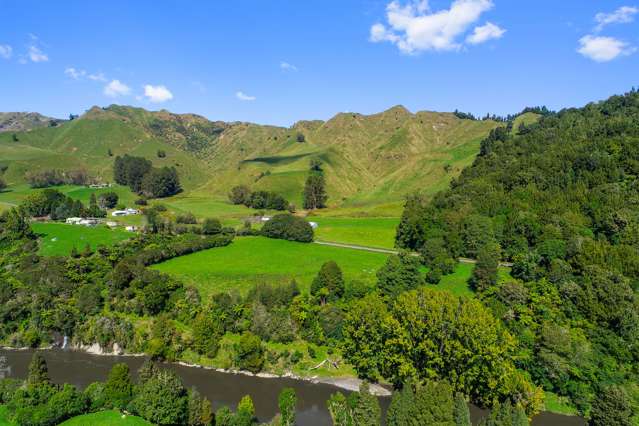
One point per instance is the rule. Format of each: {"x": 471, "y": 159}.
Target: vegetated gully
{"x": 80, "y": 369}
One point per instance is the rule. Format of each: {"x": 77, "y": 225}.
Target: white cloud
{"x": 116, "y": 88}
{"x": 285, "y": 66}
{"x": 6, "y": 51}
{"x": 74, "y": 73}
{"x": 97, "y": 77}
{"x": 37, "y": 55}
{"x": 157, "y": 94}
{"x": 603, "y": 49}
{"x": 244, "y": 97}
{"x": 484, "y": 33}
{"x": 623, "y": 15}
{"x": 414, "y": 27}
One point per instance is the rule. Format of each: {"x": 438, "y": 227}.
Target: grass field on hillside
{"x": 58, "y": 239}
{"x": 365, "y": 231}
{"x": 251, "y": 260}
{"x": 15, "y": 194}
{"x": 106, "y": 418}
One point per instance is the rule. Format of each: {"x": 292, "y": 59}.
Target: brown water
{"x": 80, "y": 369}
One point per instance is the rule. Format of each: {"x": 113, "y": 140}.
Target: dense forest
{"x": 560, "y": 200}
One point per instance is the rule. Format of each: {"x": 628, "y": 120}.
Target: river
{"x": 81, "y": 369}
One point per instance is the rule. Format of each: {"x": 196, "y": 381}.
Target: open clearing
{"x": 106, "y": 418}
{"x": 365, "y": 231}
{"x": 58, "y": 239}
{"x": 251, "y": 260}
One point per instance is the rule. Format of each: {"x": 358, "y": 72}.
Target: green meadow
{"x": 106, "y": 418}
{"x": 251, "y": 260}
{"x": 58, "y": 239}
{"x": 364, "y": 231}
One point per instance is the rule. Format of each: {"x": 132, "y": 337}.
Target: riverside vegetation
{"x": 556, "y": 197}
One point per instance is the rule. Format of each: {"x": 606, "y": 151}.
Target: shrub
{"x": 288, "y": 227}
{"x": 240, "y": 194}
{"x": 108, "y": 200}
{"x": 249, "y": 354}
{"x": 211, "y": 226}
{"x": 186, "y": 218}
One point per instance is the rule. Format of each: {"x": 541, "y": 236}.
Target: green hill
{"x": 369, "y": 159}
{"x": 559, "y": 199}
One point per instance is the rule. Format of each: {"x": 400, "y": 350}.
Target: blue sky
{"x": 277, "y": 62}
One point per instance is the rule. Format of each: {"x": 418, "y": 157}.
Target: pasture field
{"x": 106, "y": 418}
{"x": 365, "y": 231}
{"x": 58, "y": 239}
{"x": 251, "y": 260}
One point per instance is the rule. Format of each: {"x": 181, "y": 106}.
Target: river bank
{"x": 346, "y": 383}
{"x": 222, "y": 387}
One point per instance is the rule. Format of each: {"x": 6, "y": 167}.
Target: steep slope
{"x": 24, "y": 121}
{"x": 368, "y": 159}
{"x": 560, "y": 199}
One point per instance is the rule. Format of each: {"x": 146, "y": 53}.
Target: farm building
{"x": 125, "y": 212}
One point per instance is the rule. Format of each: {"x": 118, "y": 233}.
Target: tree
{"x": 339, "y": 410}
{"x": 38, "y": 371}
{"x": 200, "y": 410}
{"x": 401, "y": 411}
{"x": 161, "y": 153}
{"x": 485, "y": 270}
{"x": 428, "y": 335}
{"x": 434, "y": 404}
{"x": 400, "y": 273}
{"x": 211, "y": 226}
{"x": 286, "y": 402}
{"x": 130, "y": 171}
{"x": 162, "y": 400}
{"x": 328, "y": 285}
{"x": 461, "y": 413}
{"x": 611, "y": 408}
{"x": 160, "y": 183}
{"x": 118, "y": 389}
{"x": 108, "y": 200}
{"x": 315, "y": 192}
{"x": 359, "y": 409}
{"x": 240, "y": 194}
{"x": 411, "y": 228}
{"x": 245, "y": 415}
{"x": 249, "y": 354}
{"x": 364, "y": 407}
{"x": 207, "y": 331}
{"x": 505, "y": 415}
{"x": 288, "y": 227}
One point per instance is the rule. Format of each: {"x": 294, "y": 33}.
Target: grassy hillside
{"x": 252, "y": 260}
{"x": 58, "y": 239}
{"x": 369, "y": 160}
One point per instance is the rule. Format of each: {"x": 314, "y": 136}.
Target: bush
{"x": 211, "y": 226}
{"x": 141, "y": 201}
{"x": 186, "y": 218}
{"x": 249, "y": 354}
{"x": 108, "y": 200}
{"x": 288, "y": 227}
{"x": 239, "y": 194}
